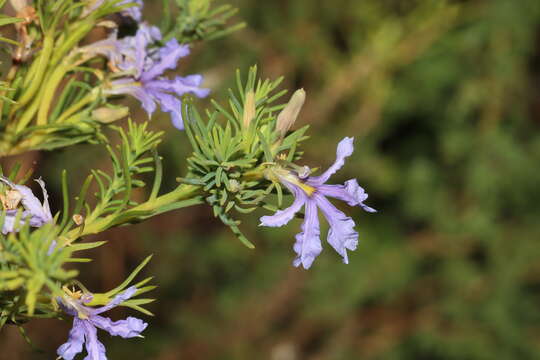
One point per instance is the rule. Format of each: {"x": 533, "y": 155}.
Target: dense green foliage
{"x": 443, "y": 99}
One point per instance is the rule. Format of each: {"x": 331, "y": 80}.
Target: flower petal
{"x": 127, "y": 328}
{"x": 29, "y": 200}
{"x": 135, "y": 53}
{"x": 337, "y": 192}
{"x": 308, "y": 244}
{"x": 352, "y": 193}
{"x": 9, "y": 221}
{"x": 172, "y": 105}
{"x": 341, "y": 235}
{"x": 358, "y": 193}
{"x": 345, "y": 149}
{"x": 179, "y": 85}
{"x": 109, "y": 47}
{"x": 126, "y": 86}
{"x": 73, "y": 346}
{"x": 39, "y": 213}
{"x": 159, "y": 89}
{"x": 45, "y": 206}
{"x": 94, "y": 348}
{"x": 135, "y": 12}
{"x": 190, "y": 84}
{"x": 131, "y": 54}
{"x": 167, "y": 58}
{"x": 282, "y": 217}
{"x": 117, "y": 300}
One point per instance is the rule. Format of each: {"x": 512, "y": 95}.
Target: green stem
{"x": 183, "y": 193}
{"x": 76, "y": 107}
{"x": 20, "y": 147}
{"x": 255, "y": 174}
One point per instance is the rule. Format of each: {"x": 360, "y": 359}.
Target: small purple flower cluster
{"x": 140, "y": 64}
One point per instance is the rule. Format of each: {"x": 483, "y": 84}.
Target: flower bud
{"x": 108, "y": 115}
{"x": 288, "y": 115}
{"x": 249, "y": 109}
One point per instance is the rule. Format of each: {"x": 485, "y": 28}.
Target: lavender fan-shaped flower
{"x": 86, "y": 320}
{"x": 144, "y": 66}
{"x": 311, "y": 192}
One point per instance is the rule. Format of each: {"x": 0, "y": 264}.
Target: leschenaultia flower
{"x": 146, "y": 67}
{"x": 140, "y": 65}
{"x": 311, "y": 192}
{"x": 35, "y": 212}
{"x": 86, "y": 320}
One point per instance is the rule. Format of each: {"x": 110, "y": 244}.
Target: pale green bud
{"x": 288, "y": 115}
{"x": 108, "y": 115}
{"x": 249, "y": 109}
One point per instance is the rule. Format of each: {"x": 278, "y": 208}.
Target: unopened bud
{"x": 288, "y": 115}
{"x": 108, "y": 115}
{"x": 78, "y": 219}
{"x": 249, "y": 109}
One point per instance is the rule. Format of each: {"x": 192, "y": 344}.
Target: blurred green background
{"x": 443, "y": 98}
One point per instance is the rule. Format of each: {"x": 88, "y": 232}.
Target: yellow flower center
{"x": 71, "y": 298}
{"x": 278, "y": 173}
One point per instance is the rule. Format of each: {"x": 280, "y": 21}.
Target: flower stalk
{"x": 183, "y": 196}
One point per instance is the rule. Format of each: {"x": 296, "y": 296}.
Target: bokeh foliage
{"x": 443, "y": 99}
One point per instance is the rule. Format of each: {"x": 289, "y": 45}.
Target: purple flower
{"x": 134, "y": 12}
{"x": 311, "y": 192}
{"x": 144, "y": 67}
{"x": 86, "y": 320}
{"x": 128, "y": 55}
{"x": 139, "y": 66}
{"x": 35, "y": 212}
